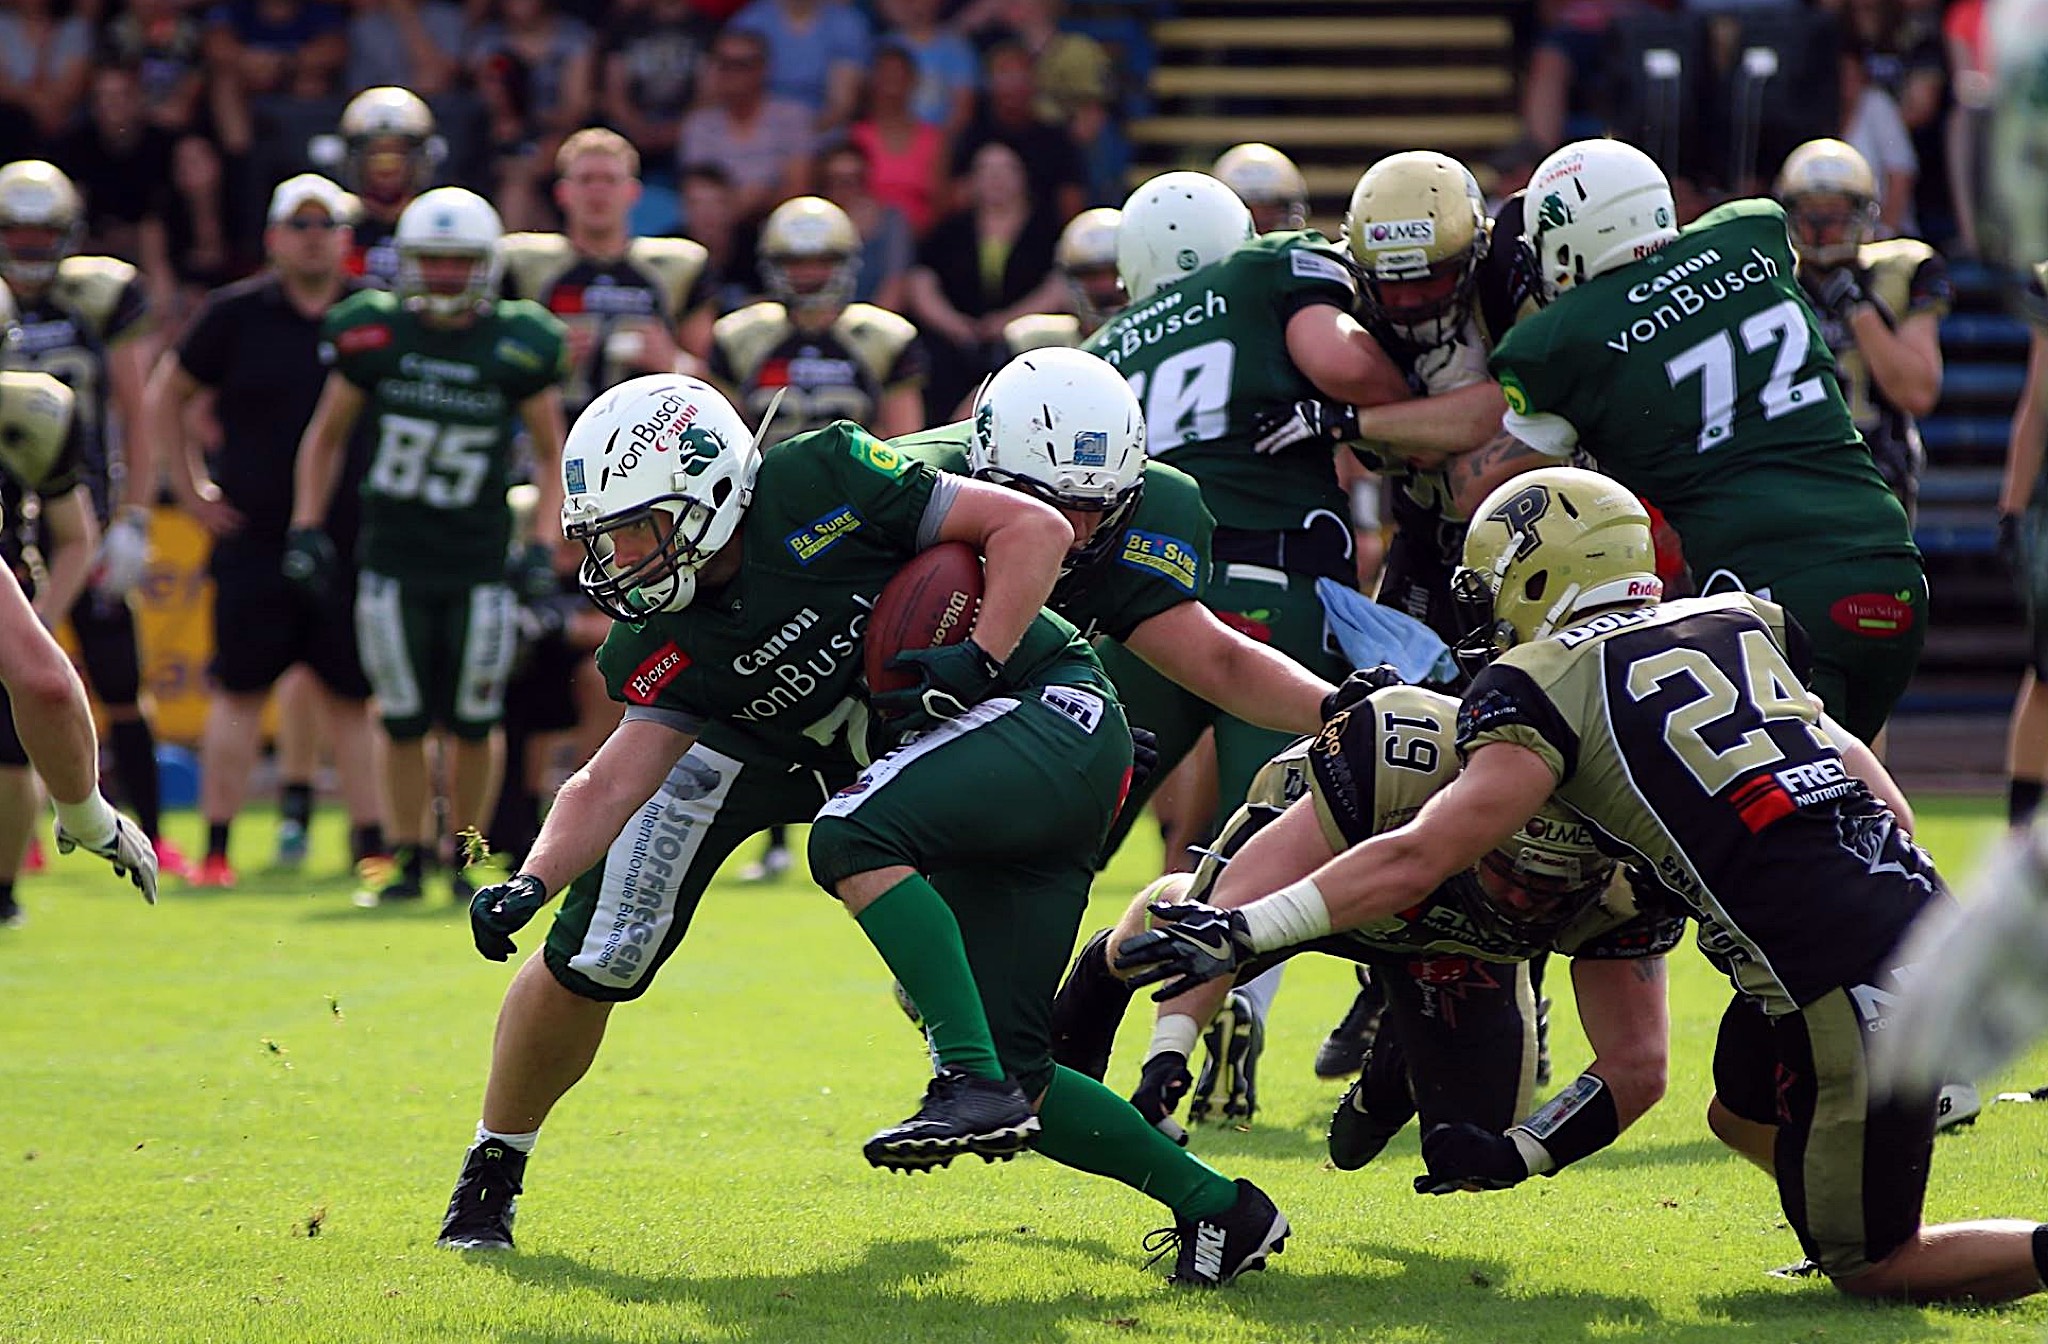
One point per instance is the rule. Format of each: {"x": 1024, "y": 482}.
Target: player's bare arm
{"x": 128, "y": 375}
{"x": 596, "y": 802}
{"x": 1240, "y": 676}
{"x": 169, "y": 392}
{"x": 1860, "y": 761}
{"x": 1474, "y": 475}
{"x": 74, "y": 545}
{"x": 1905, "y": 362}
{"x": 1023, "y": 543}
{"x": 543, "y": 417}
{"x": 901, "y": 411}
{"x": 1341, "y": 357}
{"x": 1448, "y": 422}
{"x": 322, "y": 449}
{"x": 2029, "y": 435}
{"x": 1626, "y": 1017}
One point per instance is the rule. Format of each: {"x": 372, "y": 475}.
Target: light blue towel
{"x": 1371, "y": 634}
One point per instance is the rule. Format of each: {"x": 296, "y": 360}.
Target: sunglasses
{"x": 297, "y": 225}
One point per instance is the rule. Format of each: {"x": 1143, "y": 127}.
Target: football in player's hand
{"x": 930, "y": 603}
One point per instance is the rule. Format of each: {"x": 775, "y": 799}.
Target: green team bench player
{"x": 742, "y": 583}
{"x": 1688, "y": 363}
{"x": 446, "y": 370}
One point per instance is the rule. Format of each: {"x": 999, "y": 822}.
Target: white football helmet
{"x": 35, "y": 195}
{"x": 1173, "y": 226}
{"x": 1264, "y": 178}
{"x": 1064, "y": 426}
{"x": 449, "y": 222}
{"x": 667, "y": 452}
{"x": 1592, "y": 207}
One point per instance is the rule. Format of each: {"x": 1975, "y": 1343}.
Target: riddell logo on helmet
{"x": 661, "y": 668}
{"x": 1645, "y": 588}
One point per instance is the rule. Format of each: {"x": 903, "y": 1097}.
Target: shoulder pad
{"x": 35, "y": 420}
{"x": 675, "y": 262}
{"x": 1038, "y": 331}
{"x": 748, "y": 335}
{"x": 534, "y": 259}
{"x": 875, "y": 335}
{"x": 92, "y": 286}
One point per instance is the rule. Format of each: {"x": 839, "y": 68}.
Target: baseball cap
{"x": 311, "y": 189}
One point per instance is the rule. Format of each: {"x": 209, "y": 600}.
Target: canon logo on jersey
{"x": 802, "y": 676}
{"x": 756, "y": 660}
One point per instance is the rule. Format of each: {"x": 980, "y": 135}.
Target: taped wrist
{"x": 1294, "y": 914}
{"x": 1176, "y": 1033}
{"x": 1576, "y": 1123}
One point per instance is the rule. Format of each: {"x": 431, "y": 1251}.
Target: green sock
{"x": 1090, "y": 1128}
{"x": 911, "y": 926}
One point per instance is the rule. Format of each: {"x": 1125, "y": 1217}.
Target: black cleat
{"x": 479, "y": 1216}
{"x": 961, "y": 1114}
{"x": 1087, "y": 1011}
{"x": 1361, "y": 1126}
{"x": 1343, "y": 1051}
{"x": 1235, "y": 1040}
{"x": 1213, "y": 1251}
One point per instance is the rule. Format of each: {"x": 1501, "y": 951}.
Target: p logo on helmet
{"x": 1520, "y": 513}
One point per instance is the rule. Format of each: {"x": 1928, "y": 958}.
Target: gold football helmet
{"x": 1830, "y": 197}
{"x": 1417, "y": 230}
{"x": 390, "y": 150}
{"x": 810, "y": 254}
{"x": 1547, "y": 546}
{"x": 41, "y": 221}
{"x": 1086, "y": 256}
{"x": 1268, "y": 182}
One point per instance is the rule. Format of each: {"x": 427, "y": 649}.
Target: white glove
{"x": 124, "y": 553}
{"x": 128, "y": 849}
{"x": 1975, "y": 976}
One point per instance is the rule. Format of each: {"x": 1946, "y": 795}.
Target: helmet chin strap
{"x": 768, "y": 418}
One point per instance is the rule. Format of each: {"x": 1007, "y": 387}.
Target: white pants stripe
{"x": 877, "y": 776}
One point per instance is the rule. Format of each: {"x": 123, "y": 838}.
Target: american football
{"x": 930, "y": 603}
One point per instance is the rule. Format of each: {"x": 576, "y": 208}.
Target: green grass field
{"x": 237, "y": 1117}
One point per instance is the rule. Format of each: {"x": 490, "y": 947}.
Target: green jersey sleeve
{"x": 533, "y": 347}
{"x": 357, "y": 337}
{"x": 643, "y": 666}
{"x": 1161, "y": 560}
{"x": 844, "y": 466}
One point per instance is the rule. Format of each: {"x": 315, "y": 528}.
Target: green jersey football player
{"x": 741, "y": 582}
{"x": 1690, "y": 365}
{"x": 446, "y": 371}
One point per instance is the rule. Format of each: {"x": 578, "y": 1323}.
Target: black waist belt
{"x": 1322, "y": 550}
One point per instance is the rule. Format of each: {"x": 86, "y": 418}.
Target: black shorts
{"x": 1852, "y": 1171}
{"x": 541, "y": 696}
{"x": 105, "y": 626}
{"x": 262, "y": 625}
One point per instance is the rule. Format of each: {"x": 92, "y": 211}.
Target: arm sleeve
{"x": 682, "y": 720}
{"x": 1545, "y": 431}
{"x": 944, "y": 491}
{"x": 1931, "y": 290}
{"x": 130, "y": 313}
{"x": 1505, "y": 704}
{"x": 892, "y": 493}
{"x": 1307, "y": 275}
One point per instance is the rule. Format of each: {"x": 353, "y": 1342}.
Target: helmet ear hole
{"x": 1537, "y": 582}
{"x": 721, "y": 492}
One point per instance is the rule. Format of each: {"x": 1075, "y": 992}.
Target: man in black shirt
{"x": 256, "y": 343}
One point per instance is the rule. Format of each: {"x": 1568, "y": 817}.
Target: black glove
{"x": 1326, "y": 423}
{"x": 502, "y": 909}
{"x": 1354, "y": 689}
{"x": 1144, "y": 758}
{"x": 1838, "y": 292}
{"x": 951, "y": 680}
{"x": 1164, "y": 1081}
{"x": 310, "y": 562}
{"x": 530, "y": 570}
{"x": 1196, "y": 942}
{"x": 1466, "y": 1157}
{"x": 2009, "y": 542}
